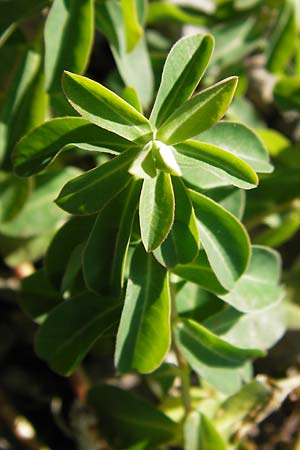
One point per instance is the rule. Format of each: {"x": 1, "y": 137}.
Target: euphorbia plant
{"x": 170, "y": 198}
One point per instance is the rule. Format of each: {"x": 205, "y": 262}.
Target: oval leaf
{"x": 91, "y": 191}
{"x": 106, "y": 109}
{"x": 183, "y": 69}
{"x": 144, "y": 333}
{"x": 156, "y": 210}
{"x": 182, "y": 243}
{"x": 258, "y": 287}
{"x": 199, "y": 113}
{"x": 69, "y": 34}
{"x": 240, "y": 173}
{"x": 126, "y": 419}
{"x": 241, "y": 142}
{"x": 224, "y": 239}
{"x": 106, "y": 250}
{"x": 72, "y": 328}
{"x": 37, "y": 149}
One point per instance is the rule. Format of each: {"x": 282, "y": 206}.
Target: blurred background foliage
{"x": 124, "y": 44}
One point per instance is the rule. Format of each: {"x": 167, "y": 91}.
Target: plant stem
{"x": 183, "y": 366}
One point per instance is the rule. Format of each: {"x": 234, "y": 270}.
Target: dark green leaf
{"x": 69, "y": 34}
{"x": 287, "y": 93}
{"x": 37, "y": 297}
{"x": 39, "y": 147}
{"x": 199, "y": 113}
{"x": 183, "y": 70}
{"x": 72, "y": 328}
{"x": 156, "y": 210}
{"x": 106, "y": 109}
{"x": 144, "y": 333}
{"x": 106, "y": 250}
{"x": 126, "y": 419}
{"x": 14, "y": 10}
{"x": 13, "y": 194}
{"x": 91, "y": 191}
{"x": 68, "y": 237}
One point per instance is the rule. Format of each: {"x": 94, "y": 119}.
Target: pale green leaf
{"x": 182, "y": 243}
{"x": 200, "y": 433}
{"x": 156, "y": 210}
{"x": 238, "y": 172}
{"x": 241, "y": 142}
{"x": 258, "y": 287}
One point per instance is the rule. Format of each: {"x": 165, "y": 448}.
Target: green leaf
{"x": 126, "y": 419}
{"x": 241, "y": 142}
{"x": 106, "y": 109}
{"x": 72, "y": 328}
{"x": 182, "y": 243}
{"x": 283, "y": 38}
{"x": 258, "y": 287}
{"x": 68, "y": 237}
{"x": 69, "y": 35}
{"x": 281, "y": 186}
{"x": 200, "y": 433}
{"x": 37, "y": 297}
{"x": 161, "y": 11}
{"x": 13, "y": 194}
{"x": 232, "y": 199}
{"x": 133, "y": 29}
{"x": 287, "y": 226}
{"x": 182, "y": 71}
{"x": 287, "y": 92}
{"x": 42, "y": 145}
{"x": 263, "y": 330}
{"x": 135, "y": 66}
{"x": 38, "y": 148}
{"x": 224, "y": 239}
{"x": 199, "y": 113}
{"x": 91, "y": 191}
{"x": 106, "y": 250}
{"x": 130, "y": 95}
{"x": 144, "y": 333}
{"x": 25, "y": 104}
{"x": 234, "y": 41}
{"x": 156, "y": 211}
{"x": 238, "y": 172}
{"x": 211, "y": 357}
{"x": 235, "y": 409}
{"x": 200, "y": 272}
{"x": 15, "y": 10}
{"x": 40, "y": 214}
